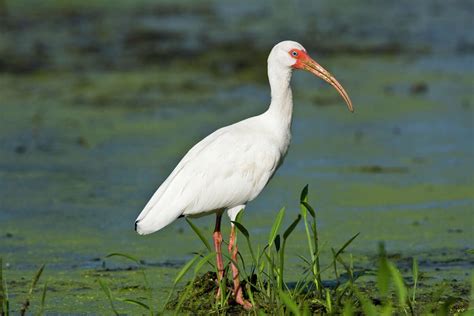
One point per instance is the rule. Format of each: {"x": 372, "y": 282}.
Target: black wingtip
{"x": 136, "y": 224}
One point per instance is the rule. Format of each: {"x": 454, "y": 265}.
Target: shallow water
{"x": 74, "y": 176}
{"x": 82, "y": 151}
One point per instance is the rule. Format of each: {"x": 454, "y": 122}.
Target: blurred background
{"x": 100, "y": 99}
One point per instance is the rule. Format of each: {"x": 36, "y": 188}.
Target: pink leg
{"x": 217, "y": 236}
{"x": 239, "y": 297}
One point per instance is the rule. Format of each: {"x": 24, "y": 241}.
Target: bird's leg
{"x": 217, "y": 236}
{"x": 238, "y": 294}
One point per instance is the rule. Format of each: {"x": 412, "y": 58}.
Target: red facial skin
{"x": 301, "y": 57}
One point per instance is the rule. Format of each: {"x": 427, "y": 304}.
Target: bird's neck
{"x": 281, "y": 106}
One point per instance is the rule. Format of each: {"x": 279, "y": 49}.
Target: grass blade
{"x": 348, "y": 309}
{"x": 387, "y": 310}
{"x": 185, "y": 269}
{"x": 242, "y": 229}
{"x": 304, "y": 259}
{"x": 334, "y": 263}
{"x": 43, "y": 299}
{"x": 290, "y": 304}
{"x": 239, "y": 215}
{"x": 304, "y": 194}
{"x": 277, "y": 242}
{"x": 286, "y": 234}
{"x": 471, "y": 299}
{"x": 415, "y": 279}
{"x": 368, "y": 307}
{"x": 276, "y": 227}
{"x": 26, "y": 304}
{"x": 200, "y": 234}
{"x": 346, "y": 244}
{"x": 124, "y": 255}
{"x": 245, "y": 232}
{"x": 36, "y": 279}
{"x": 399, "y": 284}
{"x": 309, "y": 208}
{"x": 383, "y": 272}
{"x": 3, "y": 293}
{"x": 178, "y": 278}
{"x": 142, "y": 271}
{"x": 108, "y": 294}
{"x": 328, "y": 302}
{"x": 135, "y": 302}
{"x": 203, "y": 261}
{"x": 290, "y": 228}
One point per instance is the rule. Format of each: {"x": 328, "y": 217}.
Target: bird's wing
{"x": 228, "y": 168}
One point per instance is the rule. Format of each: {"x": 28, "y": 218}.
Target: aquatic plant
{"x": 264, "y": 283}
{"x": 5, "y": 302}
{"x": 105, "y": 288}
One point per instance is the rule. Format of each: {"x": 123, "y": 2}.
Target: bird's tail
{"x": 155, "y": 216}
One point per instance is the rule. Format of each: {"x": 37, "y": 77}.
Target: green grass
{"x": 4, "y": 299}
{"x": 270, "y": 293}
{"x": 265, "y": 285}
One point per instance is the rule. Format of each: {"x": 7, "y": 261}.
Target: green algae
{"x": 87, "y": 167}
{"x": 82, "y": 147}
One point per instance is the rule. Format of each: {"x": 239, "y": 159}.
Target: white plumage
{"x": 224, "y": 170}
{"x": 231, "y": 166}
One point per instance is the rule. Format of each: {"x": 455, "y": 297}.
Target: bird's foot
{"x": 241, "y": 301}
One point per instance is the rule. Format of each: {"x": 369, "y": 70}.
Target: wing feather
{"x": 227, "y": 168}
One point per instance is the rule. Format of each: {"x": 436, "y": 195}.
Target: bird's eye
{"x": 294, "y": 53}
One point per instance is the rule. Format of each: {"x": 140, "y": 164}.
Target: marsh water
{"x": 84, "y": 143}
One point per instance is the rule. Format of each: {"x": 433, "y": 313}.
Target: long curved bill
{"x": 310, "y": 65}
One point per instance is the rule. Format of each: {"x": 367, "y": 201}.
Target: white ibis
{"x": 231, "y": 166}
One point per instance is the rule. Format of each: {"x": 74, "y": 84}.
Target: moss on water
{"x": 89, "y": 128}
{"x": 87, "y": 163}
